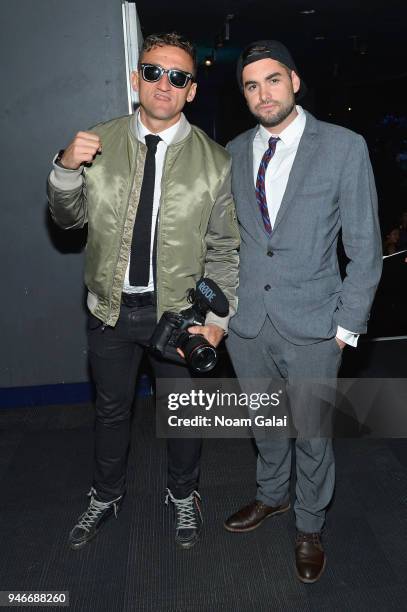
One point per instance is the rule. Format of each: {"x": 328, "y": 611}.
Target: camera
{"x": 171, "y": 331}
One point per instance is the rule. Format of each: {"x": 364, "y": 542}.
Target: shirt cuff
{"x": 65, "y": 179}
{"x": 347, "y": 336}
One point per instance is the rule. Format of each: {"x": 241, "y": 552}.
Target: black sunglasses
{"x": 178, "y": 78}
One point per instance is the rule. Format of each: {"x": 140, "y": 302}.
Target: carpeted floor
{"x": 133, "y": 565}
{"x": 45, "y": 469}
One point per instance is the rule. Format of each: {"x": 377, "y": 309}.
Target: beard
{"x": 273, "y": 118}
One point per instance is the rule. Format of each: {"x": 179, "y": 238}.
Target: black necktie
{"x": 140, "y": 246}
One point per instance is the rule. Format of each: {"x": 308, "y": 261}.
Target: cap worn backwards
{"x": 272, "y": 49}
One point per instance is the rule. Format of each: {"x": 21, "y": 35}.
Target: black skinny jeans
{"x": 115, "y": 355}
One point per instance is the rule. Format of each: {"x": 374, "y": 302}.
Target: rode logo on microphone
{"x": 206, "y": 291}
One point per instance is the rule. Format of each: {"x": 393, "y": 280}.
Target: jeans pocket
{"x": 93, "y": 322}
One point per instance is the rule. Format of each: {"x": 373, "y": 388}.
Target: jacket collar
{"x": 183, "y": 131}
{"x": 184, "y": 128}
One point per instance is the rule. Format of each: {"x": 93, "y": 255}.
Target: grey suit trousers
{"x": 271, "y": 356}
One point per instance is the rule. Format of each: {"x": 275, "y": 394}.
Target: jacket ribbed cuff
{"x": 65, "y": 179}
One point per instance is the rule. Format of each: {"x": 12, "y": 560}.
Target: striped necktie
{"x": 260, "y": 183}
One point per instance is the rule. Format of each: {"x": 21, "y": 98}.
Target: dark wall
{"x": 63, "y": 69}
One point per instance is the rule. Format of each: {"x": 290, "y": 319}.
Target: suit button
{"x": 270, "y": 253}
{"x": 267, "y": 287}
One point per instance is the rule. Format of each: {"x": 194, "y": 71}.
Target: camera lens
{"x": 203, "y": 358}
{"x": 199, "y": 354}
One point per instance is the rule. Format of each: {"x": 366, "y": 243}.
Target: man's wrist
{"x": 216, "y": 326}
{"x": 348, "y": 337}
{"x": 58, "y": 162}
{"x": 222, "y": 322}
{"x": 64, "y": 178}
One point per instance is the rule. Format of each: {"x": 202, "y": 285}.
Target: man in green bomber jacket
{"x": 155, "y": 193}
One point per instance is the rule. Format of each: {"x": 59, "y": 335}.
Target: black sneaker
{"x": 91, "y": 521}
{"x": 188, "y": 518}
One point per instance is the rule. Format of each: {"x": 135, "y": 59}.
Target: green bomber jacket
{"x": 197, "y": 232}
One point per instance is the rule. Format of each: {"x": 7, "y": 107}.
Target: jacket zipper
{"x": 159, "y": 226}
{"x": 105, "y": 323}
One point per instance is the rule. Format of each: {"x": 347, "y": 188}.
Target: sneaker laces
{"x": 186, "y": 510}
{"x": 95, "y": 509}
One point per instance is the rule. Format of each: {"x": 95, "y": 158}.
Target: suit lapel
{"x": 300, "y": 167}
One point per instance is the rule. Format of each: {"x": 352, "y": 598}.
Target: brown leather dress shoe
{"x": 310, "y": 559}
{"x": 250, "y": 517}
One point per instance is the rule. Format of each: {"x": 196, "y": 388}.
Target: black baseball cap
{"x": 273, "y": 49}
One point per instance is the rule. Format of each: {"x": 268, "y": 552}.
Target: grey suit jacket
{"x": 294, "y": 275}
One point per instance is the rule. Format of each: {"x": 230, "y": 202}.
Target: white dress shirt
{"x": 278, "y": 172}
{"x": 167, "y": 136}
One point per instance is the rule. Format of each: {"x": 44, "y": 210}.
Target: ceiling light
{"x": 208, "y": 61}
{"x": 307, "y": 12}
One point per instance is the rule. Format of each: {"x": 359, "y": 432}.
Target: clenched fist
{"x": 82, "y": 149}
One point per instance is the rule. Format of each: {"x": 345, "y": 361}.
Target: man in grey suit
{"x": 297, "y": 183}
